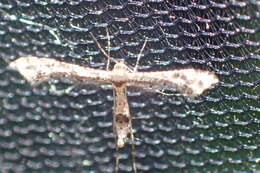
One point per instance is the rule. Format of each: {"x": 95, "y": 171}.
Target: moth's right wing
{"x": 188, "y": 82}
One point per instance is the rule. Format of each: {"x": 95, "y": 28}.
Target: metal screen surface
{"x": 57, "y": 128}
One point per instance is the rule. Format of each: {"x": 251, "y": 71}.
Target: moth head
{"x": 120, "y": 65}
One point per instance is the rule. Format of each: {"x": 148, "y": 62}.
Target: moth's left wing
{"x": 37, "y": 70}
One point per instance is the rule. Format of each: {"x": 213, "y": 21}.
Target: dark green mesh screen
{"x": 43, "y": 130}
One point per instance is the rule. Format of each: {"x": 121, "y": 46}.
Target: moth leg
{"x": 117, "y": 157}
{"x": 54, "y": 90}
{"x": 133, "y": 152}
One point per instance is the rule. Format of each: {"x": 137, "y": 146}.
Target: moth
{"x": 188, "y": 82}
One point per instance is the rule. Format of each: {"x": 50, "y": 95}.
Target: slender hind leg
{"x": 117, "y": 158}
{"x": 133, "y": 152}
{"x": 117, "y": 149}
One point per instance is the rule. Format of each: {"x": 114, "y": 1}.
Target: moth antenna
{"x": 139, "y": 56}
{"x": 108, "y": 45}
{"x": 102, "y": 50}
